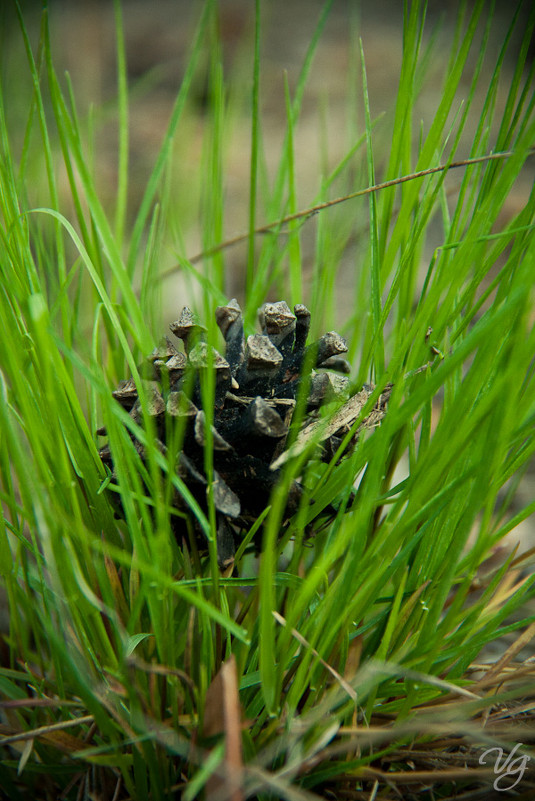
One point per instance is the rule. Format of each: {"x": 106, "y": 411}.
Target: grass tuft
{"x": 385, "y": 650}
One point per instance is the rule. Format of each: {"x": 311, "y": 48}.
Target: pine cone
{"x": 256, "y": 386}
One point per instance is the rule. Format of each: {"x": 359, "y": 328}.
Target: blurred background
{"x": 158, "y": 36}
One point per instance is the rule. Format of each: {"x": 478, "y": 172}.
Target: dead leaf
{"x": 223, "y": 716}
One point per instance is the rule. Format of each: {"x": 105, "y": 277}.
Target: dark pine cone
{"x": 255, "y": 395}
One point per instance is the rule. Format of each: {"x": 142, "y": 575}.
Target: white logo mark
{"x": 509, "y": 768}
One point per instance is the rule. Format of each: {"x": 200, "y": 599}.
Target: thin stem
{"x": 273, "y": 226}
